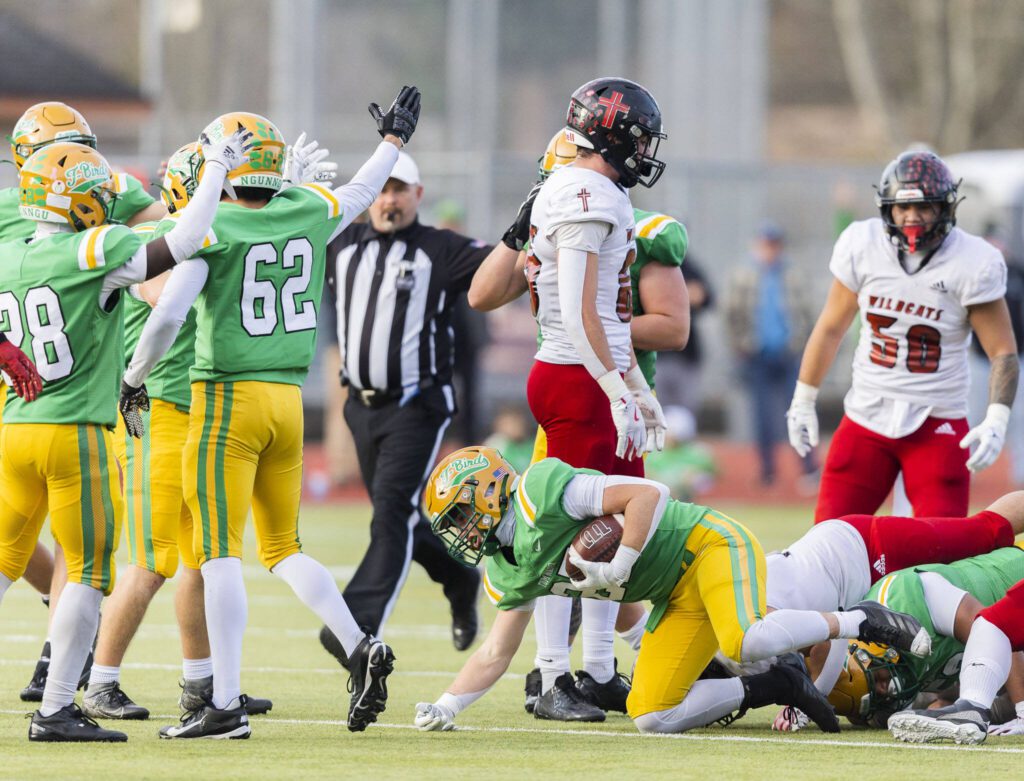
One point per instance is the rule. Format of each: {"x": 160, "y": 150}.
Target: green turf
{"x": 304, "y": 737}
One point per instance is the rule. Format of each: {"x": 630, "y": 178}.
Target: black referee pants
{"x": 396, "y": 447}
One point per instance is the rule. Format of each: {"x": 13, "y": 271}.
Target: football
{"x": 596, "y": 541}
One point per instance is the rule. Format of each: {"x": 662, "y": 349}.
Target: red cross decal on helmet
{"x": 584, "y": 197}
{"x": 612, "y": 106}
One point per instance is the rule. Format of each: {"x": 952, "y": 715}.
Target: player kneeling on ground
{"x": 703, "y": 572}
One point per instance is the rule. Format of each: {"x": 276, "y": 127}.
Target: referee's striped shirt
{"x": 394, "y": 293}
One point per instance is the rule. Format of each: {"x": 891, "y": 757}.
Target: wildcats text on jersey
{"x": 906, "y": 307}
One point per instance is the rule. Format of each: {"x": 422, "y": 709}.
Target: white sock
{"x": 313, "y": 584}
{"x": 226, "y": 614}
{"x": 782, "y": 631}
{"x": 551, "y": 623}
{"x": 73, "y": 629}
{"x": 5, "y": 583}
{"x": 635, "y": 633}
{"x": 849, "y": 623}
{"x": 986, "y": 663}
{"x": 100, "y": 674}
{"x": 599, "y": 638}
{"x": 196, "y": 669}
{"x": 707, "y": 701}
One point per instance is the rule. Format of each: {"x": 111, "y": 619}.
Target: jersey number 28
{"x": 50, "y": 349}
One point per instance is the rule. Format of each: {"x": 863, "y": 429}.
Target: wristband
{"x": 999, "y": 415}
{"x": 613, "y": 385}
{"x": 449, "y": 702}
{"x": 622, "y": 563}
{"x": 636, "y": 381}
{"x": 805, "y": 392}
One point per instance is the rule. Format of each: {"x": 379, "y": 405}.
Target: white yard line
{"x": 780, "y": 741}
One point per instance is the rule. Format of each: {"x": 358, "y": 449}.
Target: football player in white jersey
{"x": 585, "y": 388}
{"x": 921, "y": 286}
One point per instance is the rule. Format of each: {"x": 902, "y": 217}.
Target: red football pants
{"x": 897, "y": 543}
{"x": 861, "y": 467}
{"x": 1008, "y": 615}
{"x": 574, "y": 413}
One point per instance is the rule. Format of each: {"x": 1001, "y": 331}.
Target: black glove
{"x": 133, "y": 402}
{"x": 400, "y": 120}
{"x": 518, "y": 232}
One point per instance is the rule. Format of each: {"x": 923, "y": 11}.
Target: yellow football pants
{"x": 71, "y": 468}
{"x": 244, "y": 448}
{"x": 158, "y": 520}
{"x": 721, "y": 593}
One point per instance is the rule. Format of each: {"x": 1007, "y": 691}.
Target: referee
{"x": 395, "y": 283}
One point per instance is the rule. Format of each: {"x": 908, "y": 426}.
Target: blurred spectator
{"x": 679, "y": 373}
{"x": 513, "y": 436}
{"x": 769, "y": 313}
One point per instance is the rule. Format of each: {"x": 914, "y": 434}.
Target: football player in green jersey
{"x": 257, "y": 289}
{"x": 158, "y": 521}
{"x": 703, "y": 572}
{"x": 877, "y": 681}
{"x": 42, "y": 124}
{"x": 660, "y": 321}
{"x": 61, "y": 298}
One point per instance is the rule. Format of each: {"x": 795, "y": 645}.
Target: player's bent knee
{"x": 271, "y": 557}
{"x": 653, "y": 723}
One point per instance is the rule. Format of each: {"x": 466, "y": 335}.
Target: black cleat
{"x": 197, "y": 692}
{"x": 231, "y": 723}
{"x": 333, "y": 645}
{"x": 803, "y": 694}
{"x": 889, "y": 627}
{"x": 610, "y": 695}
{"x": 70, "y": 725}
{"x": 369, "y": 668}
{"x": 109, "y": 701}
{"x": 533, "y": 685}
{"x": 564, "y": 702}
{"x": 961, "y": 722}
{"x": 34, "y": 691}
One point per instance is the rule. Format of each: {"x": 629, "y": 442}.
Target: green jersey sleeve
{"x": 659, "y": 239}
{"x": 169, "y": 379}
{"x": 257, "y": 314}
{"x": 12, "y": 224}
{"x": 535, "y": 564}
{"x": 132, "y": 199}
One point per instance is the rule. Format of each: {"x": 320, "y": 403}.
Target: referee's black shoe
{"x": 333, "y": 645}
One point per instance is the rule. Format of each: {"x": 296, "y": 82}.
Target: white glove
{"x": 989, "y": 436}
{"x": 650, "y": 409}
{"x": 431, "y": 717}
{"x": 1013, "y": 727}
{"x": 802, "y": 419}
{"x": 229, "y": 152}
{"x": 790, "y": 719}
{"x": 629, "y": 423}
{"x": 304, "y": 163}
{"x": 603, "y": 575}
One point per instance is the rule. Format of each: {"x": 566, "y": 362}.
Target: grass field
{"x": 305, "y": 737}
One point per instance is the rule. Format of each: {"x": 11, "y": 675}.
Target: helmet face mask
{"x": 620, "y": 120}
{"x": 918, "y": 178}
{"x": 184, "y": 170}
{"x": 874, "y": 683}
{"x": 465, "y": 499}
{"x": 47, "y": 123}
{"x": 67, "y": 183}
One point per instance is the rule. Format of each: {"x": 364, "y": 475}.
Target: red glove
{"x": 24, "y": 379}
